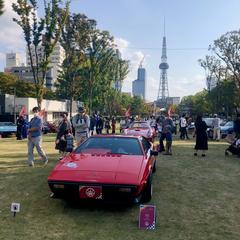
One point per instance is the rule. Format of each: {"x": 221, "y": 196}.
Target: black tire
{"x": 147, "y": 192}
{"x": 155, "y": 166}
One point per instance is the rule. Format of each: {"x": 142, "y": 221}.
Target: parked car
{"x": 106, "y": 168}
{"x": 139, "y": 128}
{"x": 191, "y": 128}
{"x": 7, "y": 128}
{"x": 209, "y": 122}
{"x": 226, "y": 129}
{"x": 49, "y": 128}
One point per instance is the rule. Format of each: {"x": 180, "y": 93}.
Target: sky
{"x": 137, "y": 26}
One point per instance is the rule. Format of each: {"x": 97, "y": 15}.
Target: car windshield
{"x": 112, "y": 145}
{"x": 139, "y": 125}
{"x": 229, "y": 124}
{"x": 6, "y": 124}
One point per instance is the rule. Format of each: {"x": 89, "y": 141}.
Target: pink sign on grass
{"x": 147, "y": 217}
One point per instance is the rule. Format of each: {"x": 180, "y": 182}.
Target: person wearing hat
{"x": 216, "y": 127}
{"x": 35, "y": 138}
{"x": 81, "y": 123}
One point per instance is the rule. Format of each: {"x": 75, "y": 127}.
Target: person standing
{"x": 35, "y": 138}
{"x": 20, "y": 123}
{"x": 113, "y": 125}
{"x": 216, "y": 127}
{"x": 92, "y": 124}
{"x": 201, "y": 136}
{"x": 183, "y": 127}
{"x": 63, "y": 129}
{"x": 99, "y": 124}
{"x": 167, "y": 127}
{"x": 25, "y": 127}
{"x": 107, "y": 125}
{"x": 236, "y": 126}
{"x": 81, "y": 123}
{"x": 123, "y": 125}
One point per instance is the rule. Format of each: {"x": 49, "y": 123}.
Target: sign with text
{"x": 147, "y": 217}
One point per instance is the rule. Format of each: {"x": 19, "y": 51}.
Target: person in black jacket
{"x": 99, "y": 124}
{"x": 236, "y": 126}
{"x": 20, "y": 123}
{"x": 93, "y": 122}
{"x": 201, "y": 136}
{"x": 63, "y": 129}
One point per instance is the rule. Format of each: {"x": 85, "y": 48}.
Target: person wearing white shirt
{"x": 216, "y": 128}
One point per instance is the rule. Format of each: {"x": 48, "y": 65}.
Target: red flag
{"x": 23, "y": 111}
{"x": 128, "y": 112}
{"x": 170, "y": 111}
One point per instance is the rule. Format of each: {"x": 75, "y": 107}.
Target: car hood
{"x": 137, "y": 131}
{"x": 99, "y": 168}
{"x": 225, "y": 128}
{"x": 8, "y": 128}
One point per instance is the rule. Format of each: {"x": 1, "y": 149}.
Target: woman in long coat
{"x": 201, "y": 136}
{"x": 63, "y": 129}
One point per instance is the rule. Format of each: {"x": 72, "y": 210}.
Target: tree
{"x": 74, "y": 39}
{"x": 223, "y": 98}
{"x": 95, "y": 73}
{"x": 1, "y": 7}
{"x": 33, "y": 27}
{"x": 9, "y": 82}
{"x": 227, "y": 48}
{"x": 213, "y": 69}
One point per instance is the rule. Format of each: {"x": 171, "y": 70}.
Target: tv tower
{"x": 163, "y": 93}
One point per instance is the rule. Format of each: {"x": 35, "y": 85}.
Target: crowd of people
{"x": 81, "y": 126}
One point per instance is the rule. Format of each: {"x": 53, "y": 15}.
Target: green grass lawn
{"x": 196, "y": 198}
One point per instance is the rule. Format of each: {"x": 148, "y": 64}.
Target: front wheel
{"x": 147, "y": 192}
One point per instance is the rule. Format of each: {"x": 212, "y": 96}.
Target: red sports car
{"x": 141, "y": 129}
{"x": 108, "y": 168}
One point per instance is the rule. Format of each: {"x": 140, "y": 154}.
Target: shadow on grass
{"x": 96, "y": 205}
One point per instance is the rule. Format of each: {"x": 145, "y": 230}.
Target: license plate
{"x": 92, "y": 192}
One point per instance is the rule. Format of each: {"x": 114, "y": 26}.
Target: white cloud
{"x": 11, "y": 36}
{"x": 185, "y": 86}
{"x": 134, "y": 57}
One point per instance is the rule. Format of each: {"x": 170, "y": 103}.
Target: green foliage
{"x": 92, "y": 65}
{"x": 227, "y": 49}
{"x": 223, "y": 98}
{"x": 1, "y": 7}
{"x": 224, "y": 66}
{"x": 50, "y": 25}
{"x": 195, "y": 104}
{"x": 9, "y": 82}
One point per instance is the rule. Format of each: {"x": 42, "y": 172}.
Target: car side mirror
{"x": 153, "y": 153}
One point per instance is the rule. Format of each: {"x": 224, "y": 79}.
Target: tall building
{"x": 139, "y": 85}
{"x": 117, "y": 85}
{"x": 12, "y": 60}
{"x": 25, "y": 74}
{"x": 211, "y": 83}
{"x": 163, "y": 92}
{"x": 56, "y": 59}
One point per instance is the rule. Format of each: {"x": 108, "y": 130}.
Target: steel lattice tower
{"x": 163, "y": 93}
